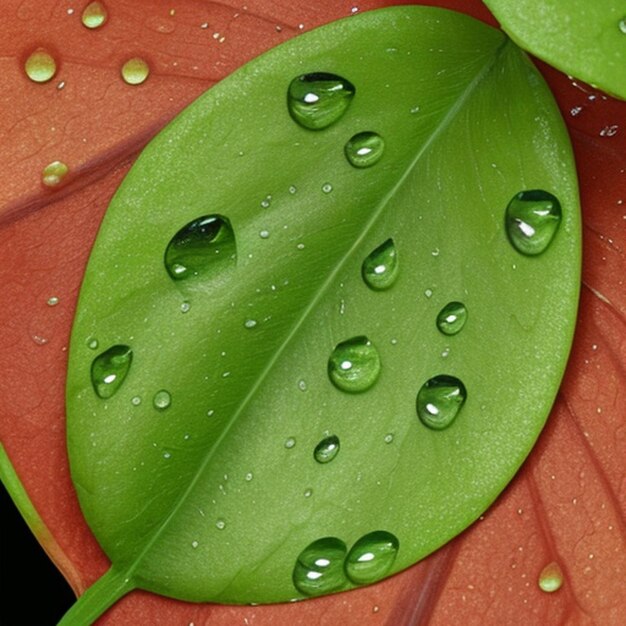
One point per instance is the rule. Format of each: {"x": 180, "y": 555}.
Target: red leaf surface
{"x": 568, "y": 503}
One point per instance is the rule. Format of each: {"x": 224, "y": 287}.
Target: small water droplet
{"x": 264, "y": 234}
{"x": 327, "y": 187}
{"x": 380, "y": 268}
{"x": 39, "y": 340}
{"x": 354, "y": 365}
{"x": 94, "y": 15}
{"x": 415, "y": 109}
{"x": 185, "y": 307}
{"x": 53, "y": 301}
{"x": 290, "y": 443}
{"x": 92, "y": 343}
{"x": 266, "y": 202}
{"x": 220, "y": 524}
{"x": 371, "y": 557}
{"x": 135, "y": 401}
{"x": 308, "y": 493}
{"x": 194, "y": 544}
{"x": 201, "y": 246}
{"x": 135, "y": 71}
{"x": 109, "y": 369}
{"x": 293, "y": 190}
{"x": 249, "y": 476}
{"x": 302, "y": 385}
{"x": 250, "y": 323}
{"x": 162, "y": 400}
{"x": 327, "y": 449}
{"x": 210, "y": 412}
{"x": 317, "y": 100}
{"x": 428, "y": 293}
{"x": 452, "y": 318}
{"x": 40, "y": 66}
{"x": 439, "y": 401}
{"x": 319, "y": 567}
{"x": 167, "y": 455}
{"x": 53, "y": 174}
{"x": 532, "y": 219}
{"x": 551, "y": 578}
{"x": 622, "y": 25}
{"x": 389, "y": 438}
{"x": 364, "y": 149}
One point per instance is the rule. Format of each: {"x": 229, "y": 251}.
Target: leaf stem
{"x": 98, "y": 598}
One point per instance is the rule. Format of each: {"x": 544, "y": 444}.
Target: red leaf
{"x": 567, "y": 504}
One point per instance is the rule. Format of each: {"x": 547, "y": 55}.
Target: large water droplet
{"x": 319, "y": 568}
{"x": 439, "y": 401}
{"x": 40, "y": 66}
{"x": 380, "y": 268}
{"x": 551, "y": 577}
{"x": 532, "y": 219}
{"x": 53, "y": 174}
{"x": 200, "y": 247}
{"x": 109, "y": 369}
{"x": 135, "y": 71}
{"x": 354, "y": 365}
{"x": 365, "y": 149}
{"x": 317, "y": 100}
{"x": 452, "y": 318}
{"x": 371, "y": 557}
{"x": 327, "y": 449}
{"x": 94, "y": 15}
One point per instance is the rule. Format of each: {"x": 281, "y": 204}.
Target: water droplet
{"x": 220, "y": 524}
{"x": 371, "y": 557}
{"x": 551, "y": 578}
{"x": 380, "y": 268}
{"x": 365, "y": 149}
{"x": 532, "y": 219}
{"x": 622, "y": 25}
{"x": 40, "y": 66}
{"x": 249, "y": 476}
{"x": 354, "y": 365}
{"x": 293, "y": 189}
{"x": 327, "y": 187}
{"x": 319, "y": 568}
{"x": 167, "y": 455}
{"x": 162, "y": 400}
{"x": 452, "y": 318}
{"x": 439, "y": 401}
{"x": 39, "y": 340}
{"x": 185, "y": 307}
{"x": 194, "y": 544}
{"x": 53, "y": 301}
{"x": 308, "y": 493}
{"x": 290, "y": 443}
{"x": 302, "y": 385}
{"x": 415, "y": 109}
{"x": 53, "y": 174}
{"x": 135, "y": 401}
{"x": 135, "y": 71}
{"x": 317, "y": 100}
{"x": 199, "y": 247}
{"x": 264, "y": 234}
{"x": 327, "y": 449}
{"x": 92, "y": 343}
{"x": 94, "y": 15}
{"x": 389, "y": 438}
{"x": 109, "y": 369}
{"x": 266, "y": 202}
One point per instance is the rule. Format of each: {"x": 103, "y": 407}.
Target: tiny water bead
{"x": 371, "y": 557}
{"x": 532, "y": 220}
{"x": 202, "y": 246}
{"x": 439, "y": 401}
{"x": 327, "y": 449}
{"x": 380, "y": 268}
{"x": 135, "y": 71}
{"x": 354, "y": 365}
{"x": 250, "y": 324}
{"x": 162, "y": 400}
{"x": 40, "y": 66}
{"x": 319, "y": 567}
{"x": 220, "y": 524}
{"x": 53, "y": 301}
{"x": 290, "y": 442}
{"x": 94, "y": 15}
{"x": 551, "y": 578}
{"x": 53, "y": 174}
{"x": 92, "y": 343}
{"x": 327, "y": 187}
{"x": 109, "y": 369}
{"x": 364, "y": 149}
{"x": 452, "y": 318}
{"x": 317, "y": 100}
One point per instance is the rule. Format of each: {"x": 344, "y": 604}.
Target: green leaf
{"x": 582, "y": 38}
{"x": 261, "y": 405}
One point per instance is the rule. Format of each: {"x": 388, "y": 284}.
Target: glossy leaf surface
{"x": 242, "y": 348}
{"x": 584, "y": 39}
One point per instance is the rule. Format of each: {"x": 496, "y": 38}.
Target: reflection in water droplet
{"x": 290, "y": 443}
{"x": 53, "y": 174}
{"x": 317, "y": 100}
{"x": 94, "y": 15}
{"x": 532, "y": 219}
{"x": 319, "y": 568}
{"x": 109, "y": 369}
{"x": 40, "y": 66}
{"x": 622, "y": 25}
{"x": 202, "y": 246}
{"x": 551, "y": 578}
{"x": 327, "y": 449}
{"x": 364, "y": 149}
{"x": 308, "y": 493}
{"x": 380, "y": 268}
{"x": 439, "y": 401}
{"x": 135, "y": 71}
{"x": 162, "y": 400}
{"x": 354, "y": 365}
{"x": 371, "y": 557}
{"x": 452, "y": 318}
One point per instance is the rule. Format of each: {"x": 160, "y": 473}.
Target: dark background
{"x": 32, "y": 591}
